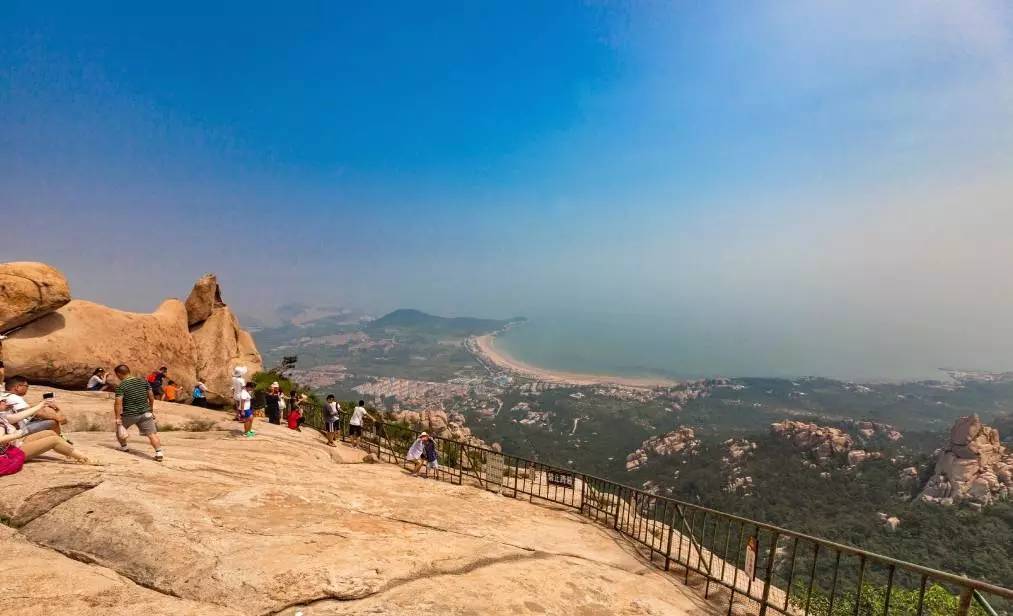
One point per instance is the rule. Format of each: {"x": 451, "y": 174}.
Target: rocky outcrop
{"x": 868, "y": 430}
{"x": 220, "y": 343}
{"x": 823, "y": 442}
{"x": 736, "y": 480}
{"x": 203, "y": 299}
{"x": 28, "y": 291}
{"x": 221, "y": 528}
{"x": 64, "y": 347}
{"x": 973, "y": 466}
{"x": 679, "y": 441}
{"x": 439, "y": 423}
{"x": 61, "y": 342}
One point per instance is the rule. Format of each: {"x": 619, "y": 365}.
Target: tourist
{"x": 332, "y": 419}
{"x": 246, "y": 408}
{"x": 46, "y": 417}
{"x": 417, "y": 452}
{"x": 200, "y": 395}
{"x": 15, "y": 448}
{"x": 273, "y": 401}
{"x": 97, "y": 382}
{"x": 238, "y": 387}
{"x": 134, "y": 406}
{"x": 156, "y": 380}
{"x": 355, "y": 422}
{"x": 295, "y": 412}
{"x": 171, "y": 391}
{"x": 430, "y": 455}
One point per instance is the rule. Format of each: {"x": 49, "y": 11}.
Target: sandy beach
{"x": 486, "y": 346}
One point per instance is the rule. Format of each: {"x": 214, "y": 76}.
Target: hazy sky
{"x": 839, "y": 165}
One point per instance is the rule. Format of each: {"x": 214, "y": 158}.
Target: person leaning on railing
{"x": 355, "y": 422}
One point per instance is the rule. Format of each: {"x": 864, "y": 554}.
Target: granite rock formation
{"x": 28, "y": 291}
{"x": 679, "y": 441}
{"x": 973, "y": 466}
{"x": 64, "y": 347}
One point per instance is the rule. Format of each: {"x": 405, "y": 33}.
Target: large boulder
{"x": 203, "y": 299}
{"x": 220, "y": 345}
{"x": 971, "y": 466}
{"x": 64, "y": 347}
{"x": 28, "y": 291}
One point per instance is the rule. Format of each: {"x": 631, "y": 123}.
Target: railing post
{"x": 769, "y": 573}
{"x": 668, "y": 547}
{"x": 965, "y": 601}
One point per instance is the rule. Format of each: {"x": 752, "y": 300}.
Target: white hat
{"x": 239, "y": 371}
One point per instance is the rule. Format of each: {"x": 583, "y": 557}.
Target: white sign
{"x": 494, "y": 472}
{"x": 751, "y": 558}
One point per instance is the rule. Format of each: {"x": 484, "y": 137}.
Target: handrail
{"x": 675, "y": 508}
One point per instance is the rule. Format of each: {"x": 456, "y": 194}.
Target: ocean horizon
{"x": 653, "y": 346}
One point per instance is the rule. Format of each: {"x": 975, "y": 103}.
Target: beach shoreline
{"x": 485, "y": 347}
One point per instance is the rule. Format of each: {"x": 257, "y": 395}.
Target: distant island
{"x": 408, "y": 320}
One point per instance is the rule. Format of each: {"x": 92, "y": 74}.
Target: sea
{"x": 655, "y": 346}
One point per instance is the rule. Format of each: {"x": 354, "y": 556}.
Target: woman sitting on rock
{"x": 14, "y": 451}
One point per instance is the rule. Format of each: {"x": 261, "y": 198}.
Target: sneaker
{"x": 124, "y": 448}
{"x": 158, "y": 455}
{"x": 250, "y": 434}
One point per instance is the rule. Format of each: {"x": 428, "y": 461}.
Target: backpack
{"x": 151, "y": 377}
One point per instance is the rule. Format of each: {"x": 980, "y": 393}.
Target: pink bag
{"x": 11, "y": 461}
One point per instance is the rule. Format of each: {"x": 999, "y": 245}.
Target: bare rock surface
{"x": 972, "y": 466}
{"x": 29, "y": 290}
{"x": 64, "y": 347}
{"x": 276, "y": 524}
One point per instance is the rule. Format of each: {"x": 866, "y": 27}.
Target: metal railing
{"x": 760, "y": 566}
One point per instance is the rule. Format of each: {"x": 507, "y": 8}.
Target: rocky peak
{"x": 973, "y": 466}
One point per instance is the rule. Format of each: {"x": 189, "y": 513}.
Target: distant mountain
{"x": 415, "y": 321}
{"x": 301, "y": 315}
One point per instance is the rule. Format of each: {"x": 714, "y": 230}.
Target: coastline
{"x": 485, "y": 348}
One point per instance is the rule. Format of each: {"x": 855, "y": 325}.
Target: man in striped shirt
{"x": 134, "y": 405}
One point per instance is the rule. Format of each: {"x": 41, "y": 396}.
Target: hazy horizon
{"x": 835, "y": 176}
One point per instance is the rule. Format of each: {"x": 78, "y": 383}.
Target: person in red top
{"x": 295, "y": 413}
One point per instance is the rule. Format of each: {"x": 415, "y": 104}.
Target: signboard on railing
{"x": 751, "y": 558}
{"x": 494, "y": 472}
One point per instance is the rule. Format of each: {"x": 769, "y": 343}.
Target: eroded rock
{"x": 29, "y": 290}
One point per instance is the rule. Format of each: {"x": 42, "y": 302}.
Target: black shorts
{"x": 355, "y": 430}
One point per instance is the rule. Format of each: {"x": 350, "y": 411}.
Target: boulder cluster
{"x": 59, "y": 341}
{"x": 821, "y": 441}
{"x": 973, "y": 466}
{"x": 868, "y": 430}
{"x": 738, "y": 450}
{"x": 440, "y": 424}
{"x": 681, "y": 440}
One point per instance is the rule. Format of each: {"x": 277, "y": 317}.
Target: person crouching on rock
{"x": 15, "y": 449}
{"x": 134, "y": 407}
{"x": 422, "y": 452}
{"x": 246, "y": 408}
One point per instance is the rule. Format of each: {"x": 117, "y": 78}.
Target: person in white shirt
{"x": 355, "y": 422}
{"x": 238, "y": 386}
{"x": 48, "y": 417}
{"x": 246, "y": 408}
{"x": 332, "y": 419}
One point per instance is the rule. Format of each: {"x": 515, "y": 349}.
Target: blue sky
{"x": 840, "y": 161}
